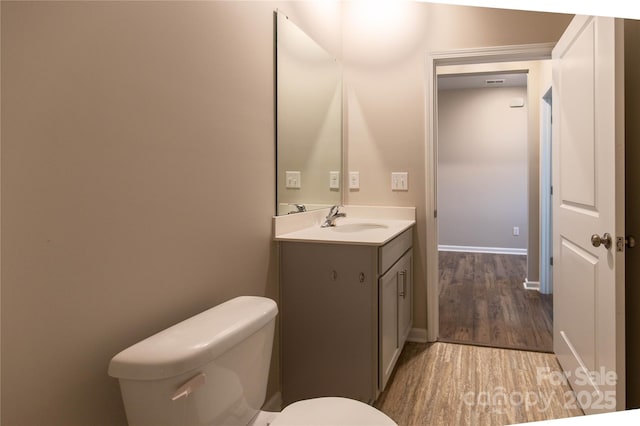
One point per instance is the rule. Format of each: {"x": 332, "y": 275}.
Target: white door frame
{"x": 528, "y": 52}
{"x": 546, "y": 239}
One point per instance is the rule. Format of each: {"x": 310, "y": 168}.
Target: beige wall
{"x": 384, "y": 56}
{"x": 632, "y": 219}
{"x": 482, "y": 168}
{"x": 122, "y": 122}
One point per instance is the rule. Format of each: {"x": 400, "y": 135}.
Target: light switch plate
{"x": 354, "y": 180}
{"x": 517, "y": 103}
{"x": 399, "y": 181}
{"x": 293, "y": 180}
{"x": 334, "y": 180}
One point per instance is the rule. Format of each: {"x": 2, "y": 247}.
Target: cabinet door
{"x": 388, "y": 323}
{"x": 329, "y": 315}
{"x": 405, "y": 297}
{"x": 396, "y": 313}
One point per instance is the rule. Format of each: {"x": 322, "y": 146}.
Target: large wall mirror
{"x": 309, "y": 122}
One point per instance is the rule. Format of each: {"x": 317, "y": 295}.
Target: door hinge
{"x": 551, "y": 261}
{"x": 435, "y": 214}
{"x": 551, "y": 189}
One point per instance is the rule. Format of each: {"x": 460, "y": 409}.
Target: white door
{"x": 588, "y": 177}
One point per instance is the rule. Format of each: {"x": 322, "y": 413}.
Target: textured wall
{"x": 123, "y": 126}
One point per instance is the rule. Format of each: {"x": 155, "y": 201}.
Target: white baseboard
{"x": 274, "y": 404}
{"x": 490, "y": 250}
{"x": 418, "y": 335}
{"x": 531, "y": 285}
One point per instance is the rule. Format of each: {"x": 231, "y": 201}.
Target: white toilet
{"x": 212, "y": 369}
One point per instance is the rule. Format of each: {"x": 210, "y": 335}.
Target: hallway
{"x": 483, "y": 302}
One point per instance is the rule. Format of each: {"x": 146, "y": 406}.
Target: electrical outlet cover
{"x": 334, "y": 180}
{"x": 354, "y": 180}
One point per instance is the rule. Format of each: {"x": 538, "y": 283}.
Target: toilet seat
{"x": 331, "y": 411}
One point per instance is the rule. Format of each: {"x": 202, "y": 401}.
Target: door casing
{"x": 514, "y": 53}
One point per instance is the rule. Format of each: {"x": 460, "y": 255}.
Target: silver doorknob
{"x": 605, "y": 240}
{"x": 630, "y": 241}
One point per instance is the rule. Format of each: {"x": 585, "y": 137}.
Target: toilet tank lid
{"x": 195, "y": 341}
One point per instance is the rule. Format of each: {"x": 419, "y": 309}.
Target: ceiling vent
{"x": 494, "y": 82}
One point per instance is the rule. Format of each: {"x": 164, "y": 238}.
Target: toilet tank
{"x": 211, "y": 369}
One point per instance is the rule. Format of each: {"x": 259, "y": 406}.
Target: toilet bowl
{"x": 212, "y": 369}
{"x": 324, "y": 411}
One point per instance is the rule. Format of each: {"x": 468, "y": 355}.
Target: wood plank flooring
{"x": 450, "y": 384}
{"x": 483, "y": 302}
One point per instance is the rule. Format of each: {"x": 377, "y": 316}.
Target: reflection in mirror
{"x": 309, "y": 122}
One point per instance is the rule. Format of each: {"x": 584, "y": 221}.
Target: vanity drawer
{"x": 389, "y": 253}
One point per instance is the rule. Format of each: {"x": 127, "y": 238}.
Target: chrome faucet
{"x": 299, "y": 208}
{"x": 334, "y": 213}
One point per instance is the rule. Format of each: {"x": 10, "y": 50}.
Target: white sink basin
{"x": 358, "y": 227}
{"x": 365, "y": 225}
{"x": 351, "y": 230}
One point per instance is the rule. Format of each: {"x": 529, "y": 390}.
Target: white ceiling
{"x": 478, "y": 81}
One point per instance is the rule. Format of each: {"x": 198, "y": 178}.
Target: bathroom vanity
{"x": 346, "y": 306}
{"x": 345, "y": 290}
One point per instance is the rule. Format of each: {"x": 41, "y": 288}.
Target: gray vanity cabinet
{"x": 329, "y": 309}
{"x": 345, "y": 312}
{"x": 396, "y": 314}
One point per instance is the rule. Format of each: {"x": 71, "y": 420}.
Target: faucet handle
{"x": 299, "y": 207}
{"x": 333, "y": 210}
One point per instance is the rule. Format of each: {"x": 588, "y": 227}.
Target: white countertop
{"x": 348, "y": 230}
